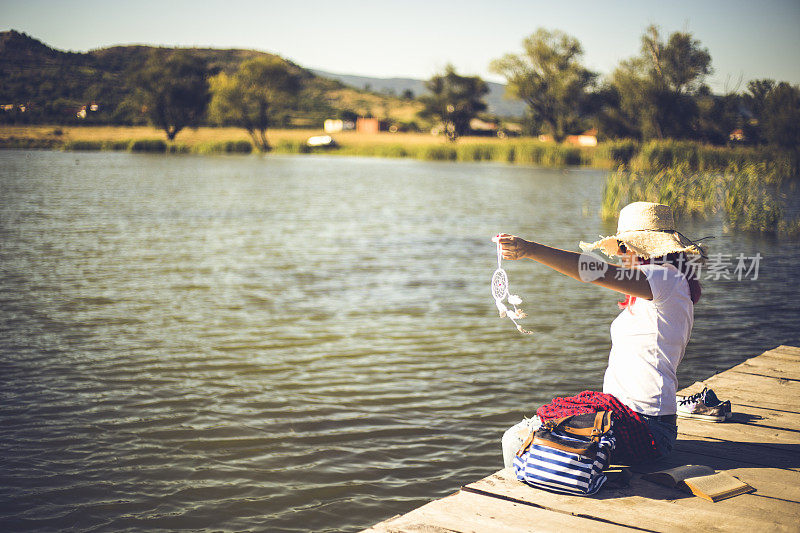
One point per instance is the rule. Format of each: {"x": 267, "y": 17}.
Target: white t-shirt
{"x": 648, "y": 340}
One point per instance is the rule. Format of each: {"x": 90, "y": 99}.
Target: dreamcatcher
{"x": 500, "y": 293}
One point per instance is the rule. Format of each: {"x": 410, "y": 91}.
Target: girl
{"x": 658, "y": 275}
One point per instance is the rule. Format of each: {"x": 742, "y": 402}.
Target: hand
{"x": 512, "y": 247}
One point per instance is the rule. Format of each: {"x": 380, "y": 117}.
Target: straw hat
{"x": 648, "y": 230}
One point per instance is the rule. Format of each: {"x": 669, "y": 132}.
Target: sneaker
{"x": 711, "y": 400}
{"x": 704, "y": 406}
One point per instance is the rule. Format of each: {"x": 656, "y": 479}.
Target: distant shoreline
{"x": 610, "y": 155}
{"x": 209, "y": 140}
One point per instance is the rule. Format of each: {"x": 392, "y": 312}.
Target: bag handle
{"x": 602, "y": 423}
{"x": 526, "y": 444}
{"x": 548, "y": 425}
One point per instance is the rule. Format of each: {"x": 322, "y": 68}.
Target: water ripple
{"x": 295, "y": 344}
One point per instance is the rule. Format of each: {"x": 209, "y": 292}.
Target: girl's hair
{"x": 689, "y": 268}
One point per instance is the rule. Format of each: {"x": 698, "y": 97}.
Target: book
{"x": 702, "y": 481}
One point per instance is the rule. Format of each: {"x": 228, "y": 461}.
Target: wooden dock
{"x": 760, "y": 445}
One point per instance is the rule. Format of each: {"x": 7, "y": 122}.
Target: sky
{"x": 416, "y": 39}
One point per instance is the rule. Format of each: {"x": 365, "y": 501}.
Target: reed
{"x": 398, "y": 150}
{"x": 748, "y": 197}
{"x": 28, "y": 143}
{"x": 751, "y": 204}
{"x": 117, "y": 145}
{"x": 359, "y": 150}
{"x": 558, "y": 155}
{"x": 505, "y": 153}
{"x": 148, "y": 145}
{"x": 549, "y": 154}
{"x": 475, "y": 152}
{"x": 223, "y": 147}
{"x": 612, "y": 154}
{"x": 132, "y": 145}
{"x": 655, "y": 155}
{"x": 438, "y": 152}
{"x": 528, "y": 153}
{"x": 291, "y": 146}
{"x": 394, "y": 150}
{"x": 652, "y": 156}
{"x": 82, "y": 145}
{"x": 179, "y": 148}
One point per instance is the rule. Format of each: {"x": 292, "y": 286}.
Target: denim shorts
{"x": 665, "y": 434}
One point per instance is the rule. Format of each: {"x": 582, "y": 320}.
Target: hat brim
{"x": 647, "y": 244}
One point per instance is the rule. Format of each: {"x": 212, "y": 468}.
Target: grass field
{"x": 220, "y": 140}
{"x": 123, "y": 133}
{"x": 207, "y": 134}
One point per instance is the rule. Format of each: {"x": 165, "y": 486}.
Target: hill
{"x": 41, "y": 84}
{"x": 497, "y": 103}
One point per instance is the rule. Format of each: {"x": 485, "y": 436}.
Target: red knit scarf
{"x": 635, "y": 442}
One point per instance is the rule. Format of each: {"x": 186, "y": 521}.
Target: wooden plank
{"x": 745, "y": 454}
{"x": 789, "y": 350}
{"x": 765, "y": 415}
{"x": 466, "y": 511}
{"x": 782, "y": 354}
{"x": 694, "y": 388}
{"x": 743, "y": 371}
{"x": 735, "y": 432}
{"x": 746, "y": 391}
{"x": 645, "y": 504}
{"x": 753, "y": 415}
{"x": 746, "y": 506}
{"x": 773, "y": 483}
{"x": 750, "y": 371}
{"x": 774, "y": 363}
{"x": 767, "y": 385}
{"x": 769, "y": 366}
{"x": 775, "y": 390}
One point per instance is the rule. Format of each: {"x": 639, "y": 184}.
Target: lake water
{"x": 298, "y": 343}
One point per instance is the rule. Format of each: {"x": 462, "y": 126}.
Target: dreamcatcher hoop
{"x": 500, "y": 292}
{"x": 500, "y": 284}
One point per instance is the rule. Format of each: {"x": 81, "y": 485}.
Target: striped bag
{"x": 568, "y": 454}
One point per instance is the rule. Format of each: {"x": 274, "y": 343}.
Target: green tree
{"x": 718, "y": 116}
{"x": 656, "y": 92}
{"x": 780, "y": 117}
{"x": 549, "y": 77}
{"x": 679, "y": 64}
{"x": 261, "y": 89}
{"x": 756, "y": 95}
{"x": 613, "y": 120}
{"x": 172, "y": 90}
{"x": 754, "y": 100}
{"x": 454, "y": 100}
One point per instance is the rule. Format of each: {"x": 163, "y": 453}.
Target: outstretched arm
{"x": 617, "y": 278}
